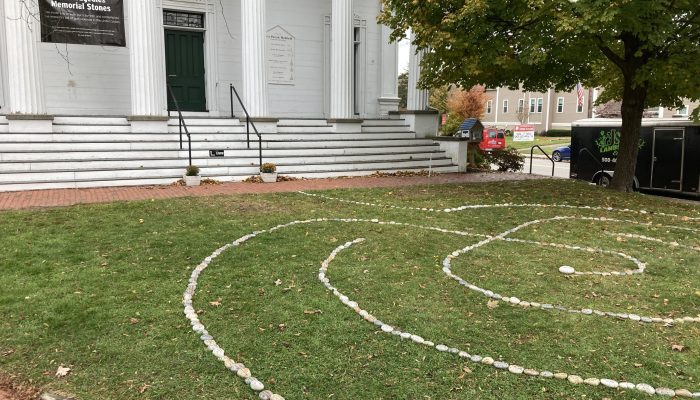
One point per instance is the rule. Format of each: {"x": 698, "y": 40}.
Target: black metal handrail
{"x": 532, "y": 155}
{"x": 585, "y": 149}
{"x": 181, "y": 123}
{"x": 248, "y": 123}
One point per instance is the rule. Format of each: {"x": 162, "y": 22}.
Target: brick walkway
{"x": 69, "y": 197}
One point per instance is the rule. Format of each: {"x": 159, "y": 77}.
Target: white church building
{"x": 90, "y": 91}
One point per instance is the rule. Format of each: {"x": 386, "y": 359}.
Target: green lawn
{"x": 547, "y": 143}
{"x": 99, "y": 289}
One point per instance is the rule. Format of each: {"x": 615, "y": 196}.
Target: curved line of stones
{"x": 651, "y": 239}
{"x": 240, "y": 369}
{"x": 485, "y": 360}
{"x": 641, "y": 267}
{"x": 244, "y": 373}
{"x": 505, "y": 205}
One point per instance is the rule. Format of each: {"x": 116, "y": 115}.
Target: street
{"x": 542, "y": 166}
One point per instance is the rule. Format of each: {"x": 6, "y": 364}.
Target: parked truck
{"x": 668, "y": 161}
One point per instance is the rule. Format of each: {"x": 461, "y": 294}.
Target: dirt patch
{"x": 12, "y": 389}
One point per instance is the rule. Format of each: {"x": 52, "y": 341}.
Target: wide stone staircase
{"x": 102, "y": 151}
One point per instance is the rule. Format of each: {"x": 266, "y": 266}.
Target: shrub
{"x": 508, "y": 159}
{"x": 268, "y": 168}
{"x": 480, "y": 159}
{"x": 452, "y": 125}
{"x": 192, "y": 170}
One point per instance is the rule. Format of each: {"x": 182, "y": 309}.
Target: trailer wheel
{"x": 604, "y": 180}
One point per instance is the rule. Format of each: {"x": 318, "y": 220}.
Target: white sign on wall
{"x": 524, "y": 133}
{"x": 280, "y": 57}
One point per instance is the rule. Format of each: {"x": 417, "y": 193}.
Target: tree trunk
{"x": 633, "y": 100}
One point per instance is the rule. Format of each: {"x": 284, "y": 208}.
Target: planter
{"x": 192, "y": 180}
{"x": 269, "y": 177}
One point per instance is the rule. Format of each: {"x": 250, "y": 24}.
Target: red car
{"x": 494, "y": 139}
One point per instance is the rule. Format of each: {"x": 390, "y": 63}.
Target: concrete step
{"x": 337, "y": 174}
{"x": 205, "y": 161}
{"x": 175, "y": 171}
{"x": 303, "y": 122}
{"x": 206, "y": 121}
{"x": 114, "y": 137}
{"x": 166, "y": 181}
{"x": 51, "y": 156}
{"x": 85, "y": 120}
{"x": 62, "y": 147}
{"x": 304, "y": 129}
{"x": 385, "y": 129}
{"x": 209, "y": 129}
{"x": 384, "y": 121}
{"x": 105, "y": 128}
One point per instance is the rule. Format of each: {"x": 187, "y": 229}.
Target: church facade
{"x": 90, "y": 92}
{"x": 318, "y": 59}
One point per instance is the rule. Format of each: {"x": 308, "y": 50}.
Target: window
{"x": 579, "y": 106}
{"x": 489, "y": 106}
{"x": 540, "y": 103}
{"x": 505, "y": 106}
{"x": 521, "y": 106}
{"x": 533, "y": 105}
{"x": 682, "y": 112}
{"x": 183, "y": 19}
{"x": 560, "y": 105}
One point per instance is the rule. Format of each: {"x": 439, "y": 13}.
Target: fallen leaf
{"x": 677, "y": 347}
{"x": 697, "y": 293}
{"x": 215, "y": 303}
{"x": 278, "y": 282}
{"x": 492, "y": 304}
{"x": 134, "y": 321}
{"x": 313, "y": 312}
{"x": 143, "y": 388}
{"x": 62, "y": 371}
{"x": 281, "y": 327}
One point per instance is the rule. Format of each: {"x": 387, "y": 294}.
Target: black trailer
{"x": 668, "y": 161}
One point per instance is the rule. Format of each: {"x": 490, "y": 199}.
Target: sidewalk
{"x": 69, "y": 197}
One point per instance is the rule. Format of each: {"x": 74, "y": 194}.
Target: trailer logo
{"x": 609, "y": 142}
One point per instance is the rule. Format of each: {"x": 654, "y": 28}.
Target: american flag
{"x": 579, "y": 92}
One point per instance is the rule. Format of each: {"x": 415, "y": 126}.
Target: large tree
{"x": 644, "y": 53}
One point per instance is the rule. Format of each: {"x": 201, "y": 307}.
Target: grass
{"x": 549, "y": 144}
{"x": 98, "y": 288}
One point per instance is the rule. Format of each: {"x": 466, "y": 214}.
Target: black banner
{"x": 95, "y": 22}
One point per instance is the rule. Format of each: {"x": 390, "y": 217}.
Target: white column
{"x": 254, "y": 69}
{"x": 417, "y": 98}
{"x": 498, "y": 100}
{"x": 389, "y": 98}
{"x": 342, "y": 60}
{"x": 593, "y": 100}
{"x": 147, "y": 59}
{"x": 25, "y": 78}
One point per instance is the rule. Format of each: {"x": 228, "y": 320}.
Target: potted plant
{"x": 192, "y": 177}
{"x": 268, "y": 173}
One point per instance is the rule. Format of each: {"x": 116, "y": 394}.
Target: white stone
{"x": 644, "y": 388}
{"x": 567, "y": 270}
{"x": 516, "y": 369}
{"x": 256, "y": 385}
{"x": 665, "y": 392}
{"x": 609, "y": 383}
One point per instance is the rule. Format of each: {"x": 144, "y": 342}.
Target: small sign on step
{"x": 216, "y": 153}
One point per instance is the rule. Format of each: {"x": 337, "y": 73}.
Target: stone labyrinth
{"x": 636, "y": 266}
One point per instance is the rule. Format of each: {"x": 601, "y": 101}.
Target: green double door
{"x": 184, "y": 63}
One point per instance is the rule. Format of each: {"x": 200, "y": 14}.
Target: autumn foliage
{"x": 468, "y": 103}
